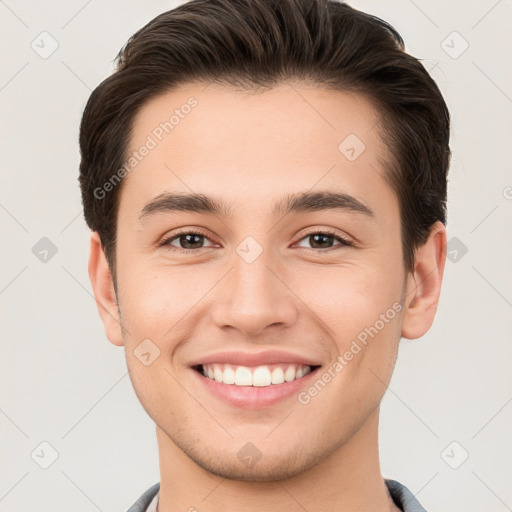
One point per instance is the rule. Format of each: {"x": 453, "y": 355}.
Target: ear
{"x": 424, "y": 284}
{"x": 104, "y": 292}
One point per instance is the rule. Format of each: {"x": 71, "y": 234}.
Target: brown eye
{"x": 324, "y": 240}
{"x": 186, "y": 241}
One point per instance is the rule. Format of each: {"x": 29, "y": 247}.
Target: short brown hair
{"x": 260, "y": 43}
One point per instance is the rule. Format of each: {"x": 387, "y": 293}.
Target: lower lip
{"x": 253, "y": 397}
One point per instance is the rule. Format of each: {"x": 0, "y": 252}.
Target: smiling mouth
{"x": 258, "y": 376}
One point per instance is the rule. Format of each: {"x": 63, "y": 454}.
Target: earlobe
{"x": 104, "y": 292}
{"x": 424, "y": 284}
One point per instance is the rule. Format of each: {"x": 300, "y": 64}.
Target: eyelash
{"x": 166, "y": 243}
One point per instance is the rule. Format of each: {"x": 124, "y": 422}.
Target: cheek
{"x": 142, "y": 300}
{"x": 348, "y": 299}
{"x": 360, "y": 310}
{"x": 159, "y": 302}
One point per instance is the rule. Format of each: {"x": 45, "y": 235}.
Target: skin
{"x": 250, "y": 150}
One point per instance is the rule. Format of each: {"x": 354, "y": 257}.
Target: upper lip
{"x": 254, "y": 358}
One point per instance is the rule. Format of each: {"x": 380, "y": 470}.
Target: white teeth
{"x": 243, "y": 376}
{"x": 289, "y": 374}
{"x": 217, "y": 373}
{"x": 228, "y": 376}
{"x": 260, "y": 376}
{"x": 277, "y": 376}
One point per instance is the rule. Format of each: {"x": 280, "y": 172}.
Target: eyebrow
{"x": 294, "y": 203}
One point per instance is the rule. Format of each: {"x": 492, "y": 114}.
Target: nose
{"x": 254, "y": 298}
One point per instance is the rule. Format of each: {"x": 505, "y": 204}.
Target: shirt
{"x": 403, "y": 498}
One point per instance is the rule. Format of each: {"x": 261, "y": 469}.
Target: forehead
{"x": 215, "y": 140}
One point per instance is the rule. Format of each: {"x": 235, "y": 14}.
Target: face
{"x": 301, "y": 307}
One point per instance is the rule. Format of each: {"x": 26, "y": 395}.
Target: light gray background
{"x": 63, "y": 383}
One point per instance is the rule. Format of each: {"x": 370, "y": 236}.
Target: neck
{"x": 349, "y": 478}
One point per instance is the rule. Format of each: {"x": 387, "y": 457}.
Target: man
{"x": 266, "y": 185}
